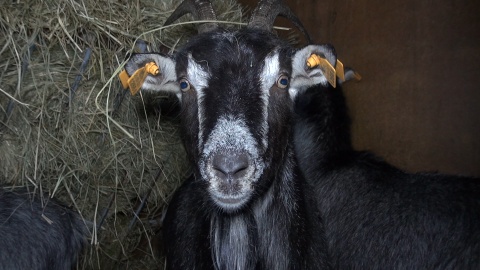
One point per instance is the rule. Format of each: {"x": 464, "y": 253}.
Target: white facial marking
{"x": 198, "y": 78}
{"x": 268, "y": 77}
{"x": 231, "y": 135}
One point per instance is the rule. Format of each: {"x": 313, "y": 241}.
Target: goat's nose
{"x": 229, "y": 165}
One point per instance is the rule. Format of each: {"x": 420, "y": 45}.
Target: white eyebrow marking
{"x": 198, "y": 78}
{"x": 268, "y": 77}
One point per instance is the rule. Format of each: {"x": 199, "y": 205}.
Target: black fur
{"x": 377, "y": 216}
{"x": 280, "y": 227}
{"x": 36, "y": 234}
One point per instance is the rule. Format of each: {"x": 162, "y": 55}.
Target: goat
{"x": 375, "y": 215}
{"x": 38, "y": 235}
{"x": 247, "y": 205}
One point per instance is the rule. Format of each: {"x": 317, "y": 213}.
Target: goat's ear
{"x": 303, "y": 76}
{"x": 351, "y": 74}
{"x": 165, "y": 80}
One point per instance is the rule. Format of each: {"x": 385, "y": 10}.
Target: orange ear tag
{"x": 135, "y": 82}
{"x": 340, "y": 71}
{"x": 327, "y": 69}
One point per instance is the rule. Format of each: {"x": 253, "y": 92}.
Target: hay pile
{"x": 69, "y": 129}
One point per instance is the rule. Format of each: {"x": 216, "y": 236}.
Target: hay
{"x": 68, "y": 128}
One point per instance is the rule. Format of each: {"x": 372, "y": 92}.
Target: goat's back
{"x": 377, "y": 216}
{"x": 36, "y": 234}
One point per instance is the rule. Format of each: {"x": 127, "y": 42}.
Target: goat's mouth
{"x": 230, "y": 203}
{"x": 230, "y": 184}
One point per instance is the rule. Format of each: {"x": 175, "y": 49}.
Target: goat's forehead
{"x": 233, "y": 50}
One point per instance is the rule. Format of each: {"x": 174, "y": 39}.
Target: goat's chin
{"x": 228, "y": 203}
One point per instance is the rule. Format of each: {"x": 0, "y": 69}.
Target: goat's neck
{"x": 265, "y": 225}
{"x": 322, "y": 126}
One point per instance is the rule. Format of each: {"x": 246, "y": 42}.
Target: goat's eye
{"x": 282, "y": 81}
{"x": 184, "y": 85}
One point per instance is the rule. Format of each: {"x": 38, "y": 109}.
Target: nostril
{"x": 230, "y": 164}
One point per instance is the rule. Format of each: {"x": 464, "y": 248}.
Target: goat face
{"x": 235, "y": 103}
{"x": 237, "y": 90}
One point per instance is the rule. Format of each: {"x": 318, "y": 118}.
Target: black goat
{"x": 246, "y": 205}
{"x": 377, "y": 216}
{"x": 38, "y": 235}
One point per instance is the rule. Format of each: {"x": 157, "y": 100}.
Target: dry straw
{"x": 67, "y": 127}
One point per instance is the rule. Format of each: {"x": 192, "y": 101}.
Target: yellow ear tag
{"x": 135, "y": 82}
{"x": 327, "y": 69}
{"x": 124, "y": 78}
{"x": 340, "y": 70}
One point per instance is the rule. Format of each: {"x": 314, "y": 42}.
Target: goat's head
{"x": 236, "y": 90}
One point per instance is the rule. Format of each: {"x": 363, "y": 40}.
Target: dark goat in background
{"x": 36, "y": 234}
{"x": 246, "y": 205}
{"x": 375, "y": 215}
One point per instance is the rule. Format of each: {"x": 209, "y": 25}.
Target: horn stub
{"x": 264, "y": 15}
{"x": 200, "y": 9}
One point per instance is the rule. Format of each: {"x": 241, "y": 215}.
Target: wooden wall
{"x": 418, "y": 105}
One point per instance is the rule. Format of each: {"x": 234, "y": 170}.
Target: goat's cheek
{"x": 279, "y": 110}
{"x": 189, "y": 116}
